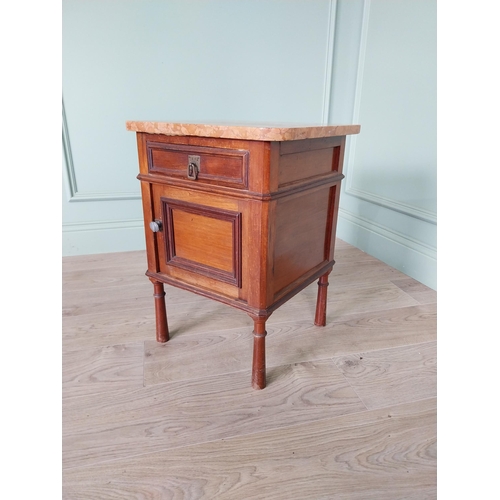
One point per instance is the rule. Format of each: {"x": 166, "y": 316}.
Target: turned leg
{"x": 259, "y": 353}
{"x": 320, "y": 319}
{"x": 161, "y": 312}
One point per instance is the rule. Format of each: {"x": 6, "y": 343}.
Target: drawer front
{"x": 218, "y": 166}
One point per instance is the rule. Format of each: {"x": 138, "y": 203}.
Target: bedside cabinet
{"x": 244, "y": 215}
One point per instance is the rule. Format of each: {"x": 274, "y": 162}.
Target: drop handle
{"x": 156, "y": 225}
{"x": 193, "y": 168}
{"x": 192, "y": 171}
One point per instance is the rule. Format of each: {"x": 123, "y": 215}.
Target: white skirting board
{"x": 406, "y": 255}
{"x": 103, "y": 237}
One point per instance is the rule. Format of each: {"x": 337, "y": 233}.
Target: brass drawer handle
{"x": 193, "y": 168}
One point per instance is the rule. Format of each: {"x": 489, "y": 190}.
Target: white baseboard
{"x": 102, "y": 237}
{"x": 409, "y": 256}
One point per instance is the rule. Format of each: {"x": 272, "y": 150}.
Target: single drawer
{"x": 220, "y": 166}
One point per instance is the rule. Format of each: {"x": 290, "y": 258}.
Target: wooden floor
{"x": 349, "y": 412}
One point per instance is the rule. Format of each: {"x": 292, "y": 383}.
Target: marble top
{"x": 255, "y": 132}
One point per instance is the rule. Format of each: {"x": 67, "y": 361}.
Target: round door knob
{"x": 155, "y": 225}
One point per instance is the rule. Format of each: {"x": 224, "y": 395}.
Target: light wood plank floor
{"x": 349, "y": 412}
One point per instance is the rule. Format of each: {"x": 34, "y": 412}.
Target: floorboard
{"x": 184, "y": 413}
{"x": 381, "y": 454}
{"x": 349, "y": 412}
{"x": 391, "y": 376}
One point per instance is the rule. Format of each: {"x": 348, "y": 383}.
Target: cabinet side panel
{"x": 151, "y": 240}
{"x": 147, "y": 207}
{"x": 301, "y": 224}
{"x": 305, "y": 165}
{"x": 142, "y": 152}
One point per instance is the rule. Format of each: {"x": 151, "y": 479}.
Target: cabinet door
{"x": 201, "y": 239}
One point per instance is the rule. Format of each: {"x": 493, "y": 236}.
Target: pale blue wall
{"x": 257, "y": 60}
{"x": 291, "y": 61}
{"x": 385, "y": 68}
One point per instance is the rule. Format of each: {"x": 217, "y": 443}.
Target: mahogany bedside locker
{"x": 245, "y": 215}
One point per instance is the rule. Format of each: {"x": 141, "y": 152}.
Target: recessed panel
{"x": 204, "y": 240}
{"x": 301, "y": 228}
{"x": 304, "y": 165}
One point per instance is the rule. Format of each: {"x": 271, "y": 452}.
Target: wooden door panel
{"x": 202, "y": 239}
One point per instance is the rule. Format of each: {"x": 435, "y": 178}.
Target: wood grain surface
{"x": 180, "y": 414}
{"x": 392, "y": 376}
{"x": 418, "y": 291}
{"x": 380, "y": 454}
{"x": 349, "y": 411}
{"x": 87, "y": 371}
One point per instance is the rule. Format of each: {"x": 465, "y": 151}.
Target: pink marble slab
{"x": 240, "y": 131}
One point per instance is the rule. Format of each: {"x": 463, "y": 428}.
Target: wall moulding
{"x": 403, "y": 208}
{"x": 348, "y": 188}
{"x": 74, "y": 195}
{"x": 327, "y": 94}
{"x": 103, "y": 225}
{"x": 391, "y": 234}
